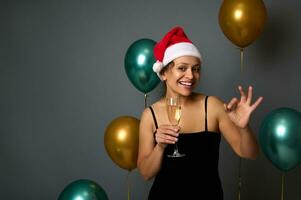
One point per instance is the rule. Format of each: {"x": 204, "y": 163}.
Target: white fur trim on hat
{"x": 175, "y": 51}
{"x": 178, "y": 50}
{"x": 157, "y": 67}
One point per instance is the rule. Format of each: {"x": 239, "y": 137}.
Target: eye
{"x": 196, "y": 69}
{"x": 182, "y": 68}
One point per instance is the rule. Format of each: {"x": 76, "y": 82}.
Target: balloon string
{"x": 241, "y": 59}
{"x": 145, "y": 100}
{"x": 128, "y": 184}
{"x": 239, "y": 179}
{"x": 282, "y": 186}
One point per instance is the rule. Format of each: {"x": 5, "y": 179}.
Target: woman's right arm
{"x": 150, "y": 153}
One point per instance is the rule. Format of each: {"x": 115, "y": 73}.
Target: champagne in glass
{"x": 174, "y": 116}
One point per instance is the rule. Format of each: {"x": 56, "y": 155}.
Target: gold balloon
{"x": 121, "y": 141}
{"x": 242, "y": 21}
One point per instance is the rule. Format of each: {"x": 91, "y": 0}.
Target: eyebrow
{"x": 181, "y": 63}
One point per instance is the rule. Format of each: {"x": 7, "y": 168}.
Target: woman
{"x": 203, "y": 120}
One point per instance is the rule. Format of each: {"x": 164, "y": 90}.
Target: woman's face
{"x": 182, "y": 76}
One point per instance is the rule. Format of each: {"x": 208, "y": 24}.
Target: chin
{"x": 186, "y": 93}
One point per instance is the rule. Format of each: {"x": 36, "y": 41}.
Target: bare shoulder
{"x": 215, "y": 101}
{"x": 158, "y": 106}
{"x": 154, "y": 106}
{"x": 147, "y": 116}
{"x": 216, "y": 105}
{"x": 197, "y": 97}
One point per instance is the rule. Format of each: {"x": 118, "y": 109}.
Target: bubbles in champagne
{"x": 174, "y": 114}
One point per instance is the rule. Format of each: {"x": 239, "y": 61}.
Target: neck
{"x": 184, "y": 99}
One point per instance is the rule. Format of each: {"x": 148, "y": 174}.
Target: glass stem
{"x": 176, "y": 143}
{"x": 176, "y": 147}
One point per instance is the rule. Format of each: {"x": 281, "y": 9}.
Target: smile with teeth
{"x": 186, "y": 84}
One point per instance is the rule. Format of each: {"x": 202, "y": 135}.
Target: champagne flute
{"x": 174, "y": 116}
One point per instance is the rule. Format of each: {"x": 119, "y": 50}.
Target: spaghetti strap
{"x": 154, "y": 117}
{"x": 206, "y": 126}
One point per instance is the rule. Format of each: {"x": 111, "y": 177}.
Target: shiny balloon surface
{"x": 83, "y": 190}
{"x": 242, "y": 21}
{"x": 139, "y": 60}
{"x": 121, "y": 141}
{"x": 280, "y": 138}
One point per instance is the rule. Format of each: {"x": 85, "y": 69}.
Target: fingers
{"x": 166, "y": 139}
{"x": 231, "y": 105}
{"x": 242, "y": 93}
{"x": 167, "y": 134}
{"x": 257, "y": 102}
{"x": 250, "y": 94}
{"x": 169, "y": 128}
{"x": 248, "y": 99}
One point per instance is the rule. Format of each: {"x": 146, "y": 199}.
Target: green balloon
{"x": 83, "y": 190}
{"x": 139, "y": 60}
{"x": 280, "y": 138}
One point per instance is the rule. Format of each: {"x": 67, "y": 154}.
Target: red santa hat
{"x": 173, "y": 45}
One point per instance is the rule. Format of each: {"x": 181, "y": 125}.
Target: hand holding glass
{"x": 174, "y": 116}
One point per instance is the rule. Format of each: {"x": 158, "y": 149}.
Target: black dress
{"x": 194, "y": 176}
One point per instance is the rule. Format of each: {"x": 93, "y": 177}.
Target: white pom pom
{"x": 157, "y": 66}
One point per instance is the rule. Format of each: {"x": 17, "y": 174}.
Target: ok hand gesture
{"x": 239, "y": 111}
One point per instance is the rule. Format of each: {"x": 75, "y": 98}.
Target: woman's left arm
{"x": 234, "y": 124}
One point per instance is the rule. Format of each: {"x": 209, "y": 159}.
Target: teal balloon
{"x": 139, "y": 60}
{"x": 83, "y": 190}
{"x": 280, "y": 138}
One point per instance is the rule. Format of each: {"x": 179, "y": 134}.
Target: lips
{"x": 186, "y": 84}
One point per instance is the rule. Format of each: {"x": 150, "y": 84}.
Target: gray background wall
{"x": 62, "y": 80}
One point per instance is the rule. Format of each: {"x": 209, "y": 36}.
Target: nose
{"x": 189, "y": 74}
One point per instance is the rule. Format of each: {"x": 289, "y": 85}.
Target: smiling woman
{"x": 184, "y": 73}
{"x": 188, "y": 152}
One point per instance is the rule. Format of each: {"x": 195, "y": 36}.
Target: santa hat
{"x": 173, "y": 45}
